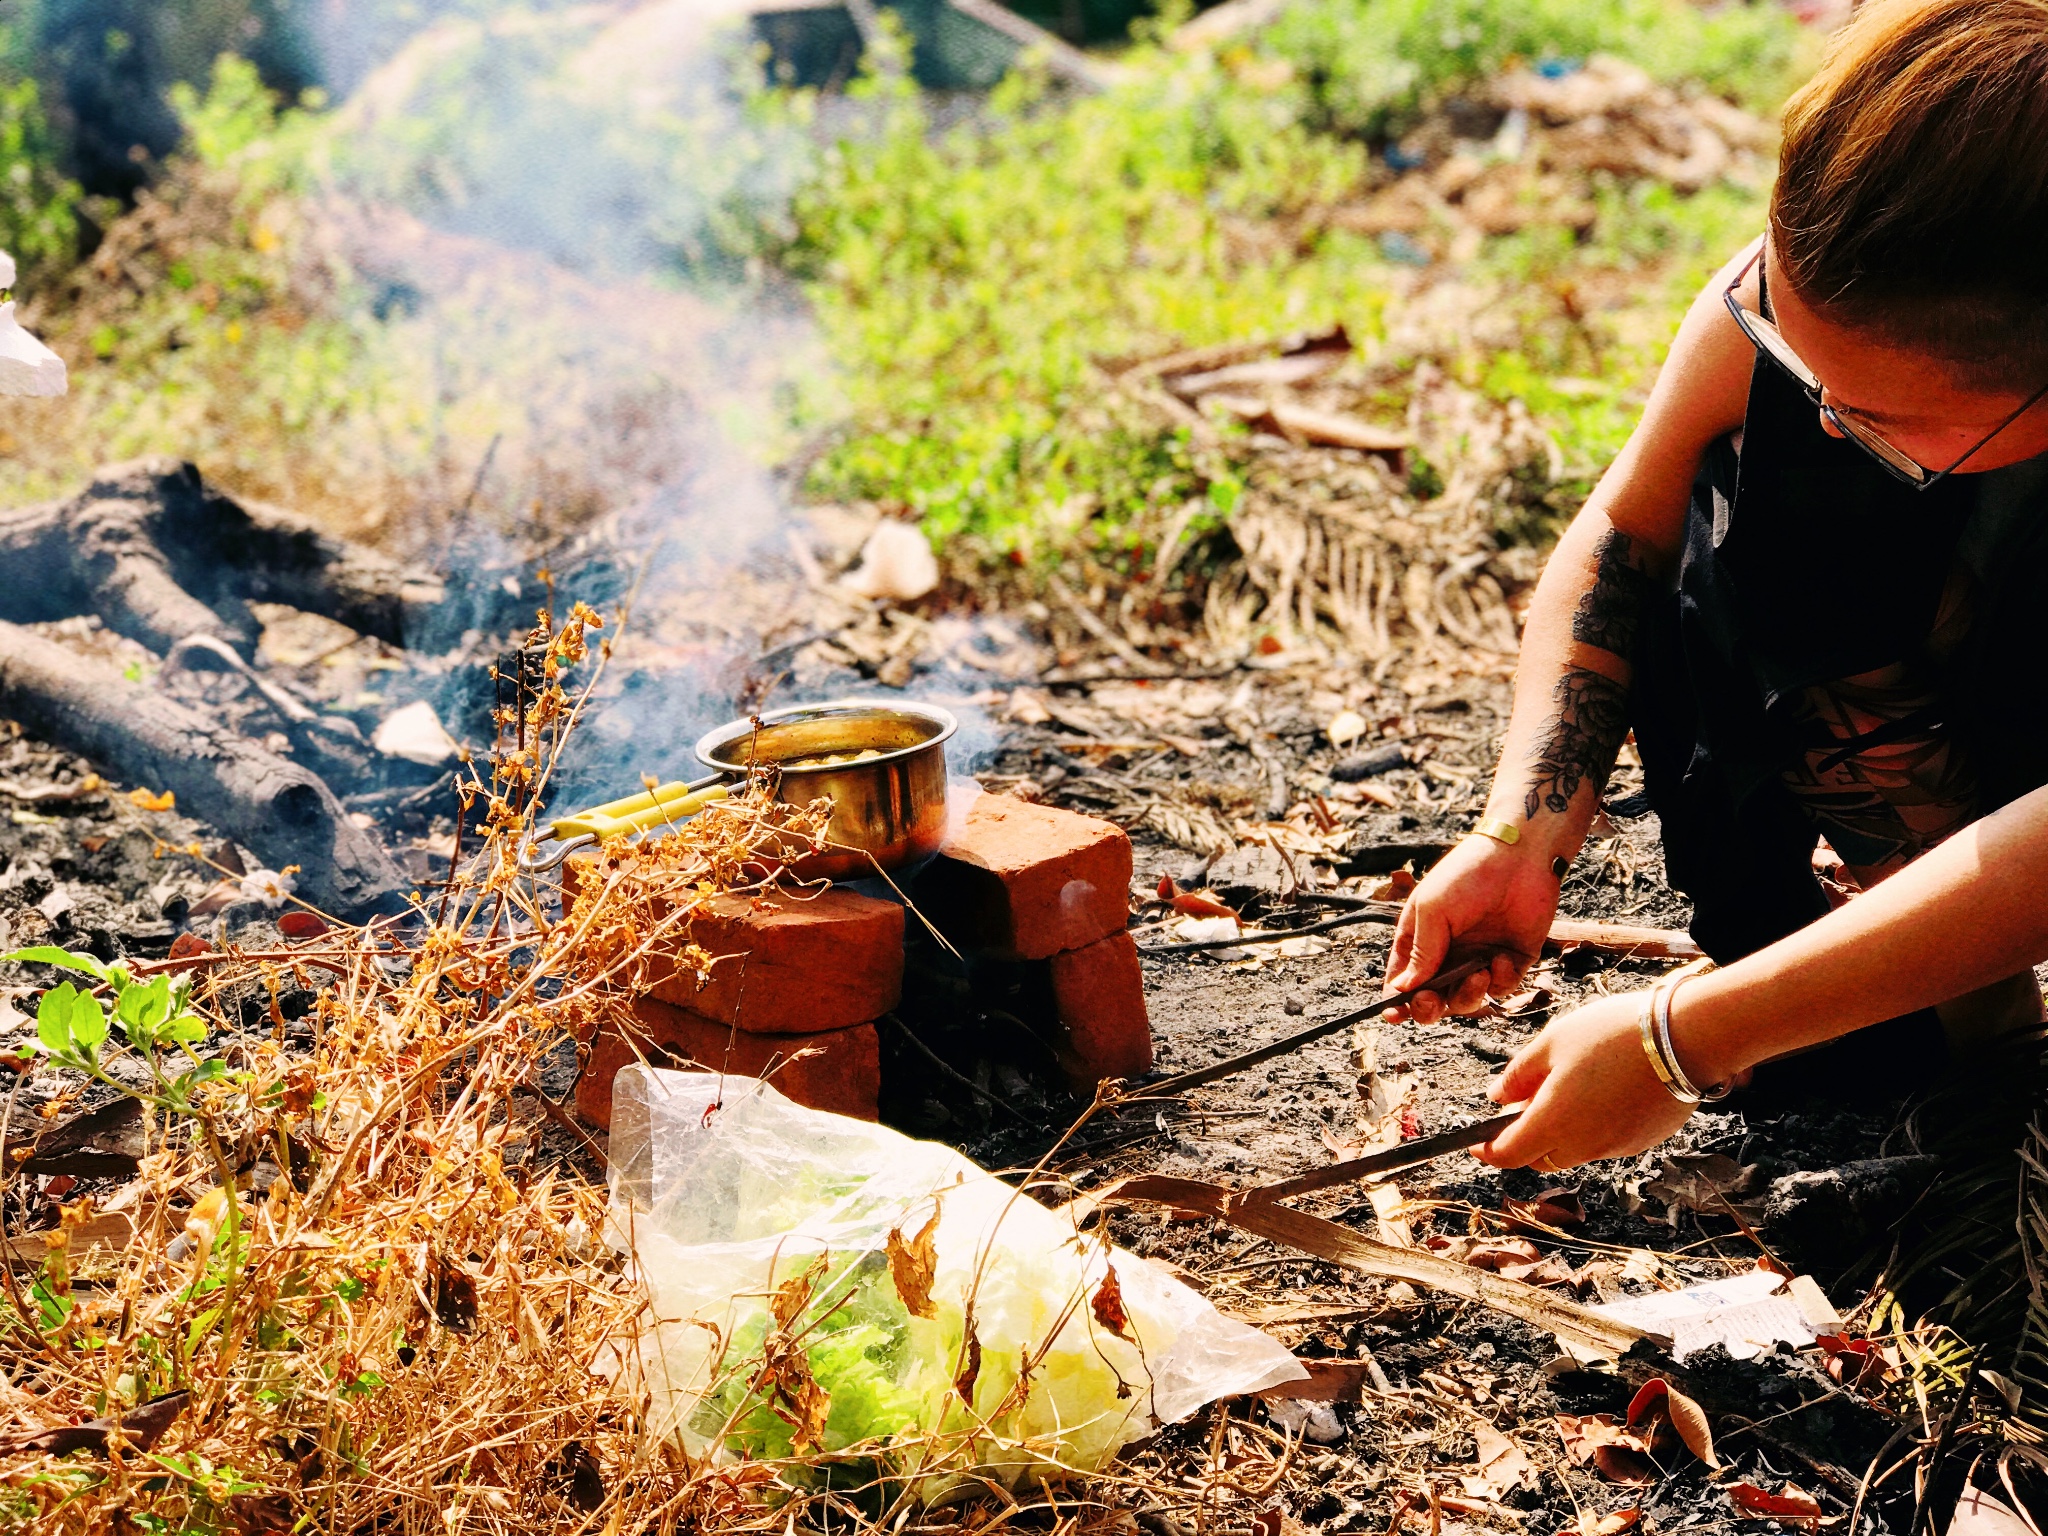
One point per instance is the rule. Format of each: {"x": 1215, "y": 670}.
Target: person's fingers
{"x": 1522, "y": 1143}
{"x": 1525, "y": 1072}
{"x": 1428, "y": 936}
{"x": 1426, "y": 1008}
{"x": 1471, "y": 992}
{"x": 1506, "y": 974}
{"x": 1403, "y": 947}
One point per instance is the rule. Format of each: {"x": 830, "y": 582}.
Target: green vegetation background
{"x": 969, "y": 281}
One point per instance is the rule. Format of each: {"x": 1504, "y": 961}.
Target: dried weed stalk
{"x": 358, "y": 1294}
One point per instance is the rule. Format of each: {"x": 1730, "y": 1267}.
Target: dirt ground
{"x": 1447, "y": 1380}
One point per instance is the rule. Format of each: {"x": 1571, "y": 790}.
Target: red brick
{"x": 1026, "y": 881}
{"x": 844, "y": 1078}
{"x": 1099, "y": 991}
{"x": 787, "y": 964}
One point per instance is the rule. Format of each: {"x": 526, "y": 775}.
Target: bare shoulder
{"x": 1702, "y": 391}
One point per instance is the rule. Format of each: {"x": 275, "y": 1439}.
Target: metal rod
{"x": 1407, "y": 1155}
{"x": 1441, "y": 982}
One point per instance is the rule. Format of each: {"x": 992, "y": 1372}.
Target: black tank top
{"x": 1881, "y": 651}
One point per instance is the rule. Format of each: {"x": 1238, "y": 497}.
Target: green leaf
{"x": 50, "y": 954}
{"x": 142, "y": 1009}
{"x": 183, "y": 1031}
{"x": 53, "y": 1019}
{"x": 88, "y": 1023}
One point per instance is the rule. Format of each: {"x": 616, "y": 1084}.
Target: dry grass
{"x": 387, "y": 1309}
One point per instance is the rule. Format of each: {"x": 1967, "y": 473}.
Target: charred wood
{"x": 278, "y": 808}
{"x": 159, "y": 555}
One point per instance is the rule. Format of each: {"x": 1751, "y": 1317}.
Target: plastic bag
{"x": 835, "y": 1296}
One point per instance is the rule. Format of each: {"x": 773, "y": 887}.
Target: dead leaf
{"x": 1167, "y": 889}
{"x": 1789, "y": 1503}
{"x": 301, "y": 925}
{"x": 1611, "y": 1524}
{"x": 1398, "y": 886}
{"x": 1108, "y": 1304}
{"x": 1027, "y": 707}
{"x": 1551, "y": 1209}
{"x": 1658, "y": 1397}
{"x": 912, "y": 1265}
{"x": 139, "y": 1430}
{"x": 186, "y": 945}
{"x": 1195, "y": 904}
{"x": 101, "y": 1143}
{"x": 1548, "y": 1270}
{"x": 1485, "y": 1252}
{"x": 964, "y": 1382}
{"x": 1504, "y": 1465}
{"x": 813, "y": 1406}
{"x": 1625, "y": 1465}
{"x": 1857, "y": 1364}
{"x": 143, "y": 799}
{"x": 219, "y": 896}
{"x": 1709, "y": 1184}
{"x": 1615, "y": 1453}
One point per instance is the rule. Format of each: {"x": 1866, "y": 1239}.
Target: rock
{"x": 1249, "y": 872}
{"x": 1824, "y": 1219}
{"x": 896, "y": 563}
{"x": 414, "y": 734}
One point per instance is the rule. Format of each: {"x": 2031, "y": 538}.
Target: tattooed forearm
{"x": 1608, "y": 613}
{"x": 1592, "y": 719}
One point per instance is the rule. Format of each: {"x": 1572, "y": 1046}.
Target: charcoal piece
{"x": 1368, "y": 765}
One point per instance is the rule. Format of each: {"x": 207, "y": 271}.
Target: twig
{"x": 1095, "y": 626}
{"x": 1343, "y": 920}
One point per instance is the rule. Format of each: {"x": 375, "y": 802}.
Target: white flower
{"x": 268, "y": 887}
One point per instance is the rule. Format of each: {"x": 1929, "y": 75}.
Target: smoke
{"x": 562, "y": 210}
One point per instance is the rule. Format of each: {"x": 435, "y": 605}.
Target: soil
{"x": 99, "y": 871}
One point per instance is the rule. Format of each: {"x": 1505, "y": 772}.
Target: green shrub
{"x": 38, "y": 204}
{"x": 1369, "y": 65}
{"x": 972, "y": 284}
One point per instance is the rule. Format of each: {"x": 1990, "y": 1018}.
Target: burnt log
{"x": 265, "y": 802}
{"x": 160, "y": 555}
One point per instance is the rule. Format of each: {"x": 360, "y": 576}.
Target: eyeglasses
{"x": 1765, "y": 336}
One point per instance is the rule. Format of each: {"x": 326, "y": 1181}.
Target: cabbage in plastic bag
{"x": 836, "y": 1296}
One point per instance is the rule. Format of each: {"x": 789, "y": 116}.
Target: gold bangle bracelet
{"x": 1505, "y": 832}
{"x": 1646, "y": 1032}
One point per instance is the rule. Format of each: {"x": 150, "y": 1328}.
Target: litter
{"x": 827, "y": 1289}
{"x": 1750, "y": 1314}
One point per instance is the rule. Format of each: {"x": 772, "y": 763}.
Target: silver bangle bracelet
{"x": 1661, "y": 1011}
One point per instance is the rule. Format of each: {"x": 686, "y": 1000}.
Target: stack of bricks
{"x": 800, "y": 979}
{"x": 793, "y": 995}
{"x": 1018, "y": 881}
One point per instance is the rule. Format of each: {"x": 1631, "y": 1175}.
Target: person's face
{"x": 1913, "y": 400}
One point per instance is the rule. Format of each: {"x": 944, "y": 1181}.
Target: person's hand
{"x": 1590, "y": 1089}
{"x": 1482, "y": 897}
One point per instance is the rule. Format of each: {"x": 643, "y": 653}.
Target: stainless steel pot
{"x": 881, "y": 762}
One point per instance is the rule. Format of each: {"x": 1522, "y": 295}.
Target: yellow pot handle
{"x": 636, "y": 813}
